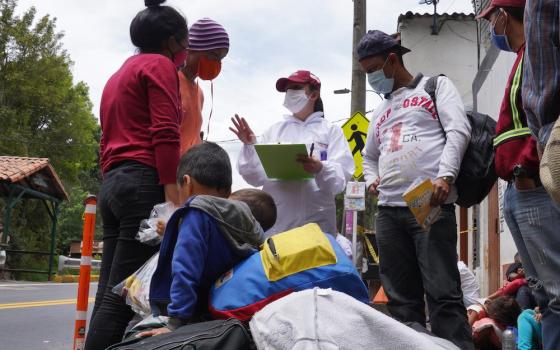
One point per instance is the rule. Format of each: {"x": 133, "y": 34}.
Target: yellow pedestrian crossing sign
{"x": 355, "y": 130}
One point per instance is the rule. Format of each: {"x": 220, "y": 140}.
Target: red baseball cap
{"x": 301, "y": 76}
{"x": 499, "y": 3}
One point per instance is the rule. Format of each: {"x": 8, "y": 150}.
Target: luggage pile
{"x": 300, "y": 291}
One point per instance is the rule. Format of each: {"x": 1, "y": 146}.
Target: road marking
{"x": 28, "y": 304}
{"x": 32, "y": 284}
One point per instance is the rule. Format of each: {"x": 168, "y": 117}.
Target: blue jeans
{"x": 413, "y": 262}
{"x": 534, "y": 221}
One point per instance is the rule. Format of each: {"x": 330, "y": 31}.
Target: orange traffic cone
{"x": 380, "y": 297}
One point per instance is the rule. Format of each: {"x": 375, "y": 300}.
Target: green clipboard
{"x": 279, "y": 161}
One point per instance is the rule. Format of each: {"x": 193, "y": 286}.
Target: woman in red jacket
{"x": 139, "y": 153}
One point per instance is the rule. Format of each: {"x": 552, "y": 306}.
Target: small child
{"x": 490, "y": 318}
{"x": 261, "y": 204}
{"x": 206, "y": 237}
{"x": 517, "y": 287}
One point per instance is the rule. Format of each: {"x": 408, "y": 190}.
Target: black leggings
{"x": 128, "y": 194}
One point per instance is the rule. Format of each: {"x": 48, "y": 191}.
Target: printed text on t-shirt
{"x": 421, "y": 101}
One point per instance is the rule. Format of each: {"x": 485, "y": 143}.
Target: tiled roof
{"x": 13, "y": 169}
{"x": 34, "y": 173}
{"x": 454, "y": 15}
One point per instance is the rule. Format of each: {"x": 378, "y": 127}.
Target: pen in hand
{"x": 311, "y": 149}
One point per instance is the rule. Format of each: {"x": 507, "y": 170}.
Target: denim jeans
{"x": 534, "y": 221}
{"x": 127, "y": 195}
{"x": 414, "y": 262}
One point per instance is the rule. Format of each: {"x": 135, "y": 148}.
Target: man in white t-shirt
{"x": 406, "y": 141}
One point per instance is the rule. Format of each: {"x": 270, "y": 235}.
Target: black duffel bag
{"x": 213, "y": 335}
{"x": 477, "y": 175}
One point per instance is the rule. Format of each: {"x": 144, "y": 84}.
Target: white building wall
{"x": 452, "y": 52}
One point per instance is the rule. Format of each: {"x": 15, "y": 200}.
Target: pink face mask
{"x": 180, "y": 58}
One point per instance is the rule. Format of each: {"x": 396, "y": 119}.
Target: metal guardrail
{"x": 4, "y": 253}
{"x": 65, "y": 262}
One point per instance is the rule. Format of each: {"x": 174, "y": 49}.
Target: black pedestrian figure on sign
{"x": 358, "y": 138}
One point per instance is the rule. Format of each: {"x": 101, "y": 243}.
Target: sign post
{"x": 355, "y": 130}
{"x": 354, "y": 201}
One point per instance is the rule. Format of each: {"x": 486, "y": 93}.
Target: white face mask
{"x": 295, "y": 100}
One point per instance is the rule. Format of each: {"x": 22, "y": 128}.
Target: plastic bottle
{"x": 509, "y": 339}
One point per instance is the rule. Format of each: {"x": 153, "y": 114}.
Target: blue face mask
{"x": 379, "y": 82}
{"x": 500, "y": 41}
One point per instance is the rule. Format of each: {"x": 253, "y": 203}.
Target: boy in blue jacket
{"x": 206, "y": 237}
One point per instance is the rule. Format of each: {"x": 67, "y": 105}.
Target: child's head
{"x": 261, "y": 204}
{"x": 504, "y": 309}
{"x": 204, "y": 169}
{"x": 515, "y": 271}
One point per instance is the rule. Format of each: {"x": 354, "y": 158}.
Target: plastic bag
{"x": 148, "y": 227}
{"x": 136, "y": 288}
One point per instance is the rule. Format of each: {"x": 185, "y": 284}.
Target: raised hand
{"x": 243, "y": 131}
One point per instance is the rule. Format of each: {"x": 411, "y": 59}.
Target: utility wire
{"x": 23, "y": 140}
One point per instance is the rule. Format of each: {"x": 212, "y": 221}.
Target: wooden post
{"x": 493, "y": 250}
{"x": 464, "y": 235}
{"x": 358, "y": 97}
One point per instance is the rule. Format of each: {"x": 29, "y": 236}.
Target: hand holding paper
{"x": 441, "y": 192}
{"x": 310, "y": 164}
{"x": 418, "y": 198}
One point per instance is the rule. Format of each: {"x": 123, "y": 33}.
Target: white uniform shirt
{"x": 405, "y": 140}
{"x": 303, "y": 202}
{"x": 469, "y": 285}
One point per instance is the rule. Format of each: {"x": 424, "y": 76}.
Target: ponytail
{"x": 318, "y": 107}
{"x": 155, "y": 24}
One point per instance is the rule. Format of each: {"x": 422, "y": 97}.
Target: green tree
{"x": 43, "y": 113}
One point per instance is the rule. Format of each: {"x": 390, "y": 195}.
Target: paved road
{"x": 38, "y": 316}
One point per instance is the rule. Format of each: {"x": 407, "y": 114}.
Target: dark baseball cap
{"x": 300, "y": 76}
{"x": 376, "y": 42}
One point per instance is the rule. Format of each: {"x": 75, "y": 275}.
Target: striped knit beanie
{"x": 206, "y": 34}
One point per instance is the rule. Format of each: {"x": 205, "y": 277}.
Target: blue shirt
{"x": 193, "y": 255}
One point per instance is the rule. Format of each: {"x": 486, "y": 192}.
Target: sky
{"x": 269, "y": 39}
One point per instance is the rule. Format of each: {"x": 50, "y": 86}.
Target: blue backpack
{"x": 292, "y": 261}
